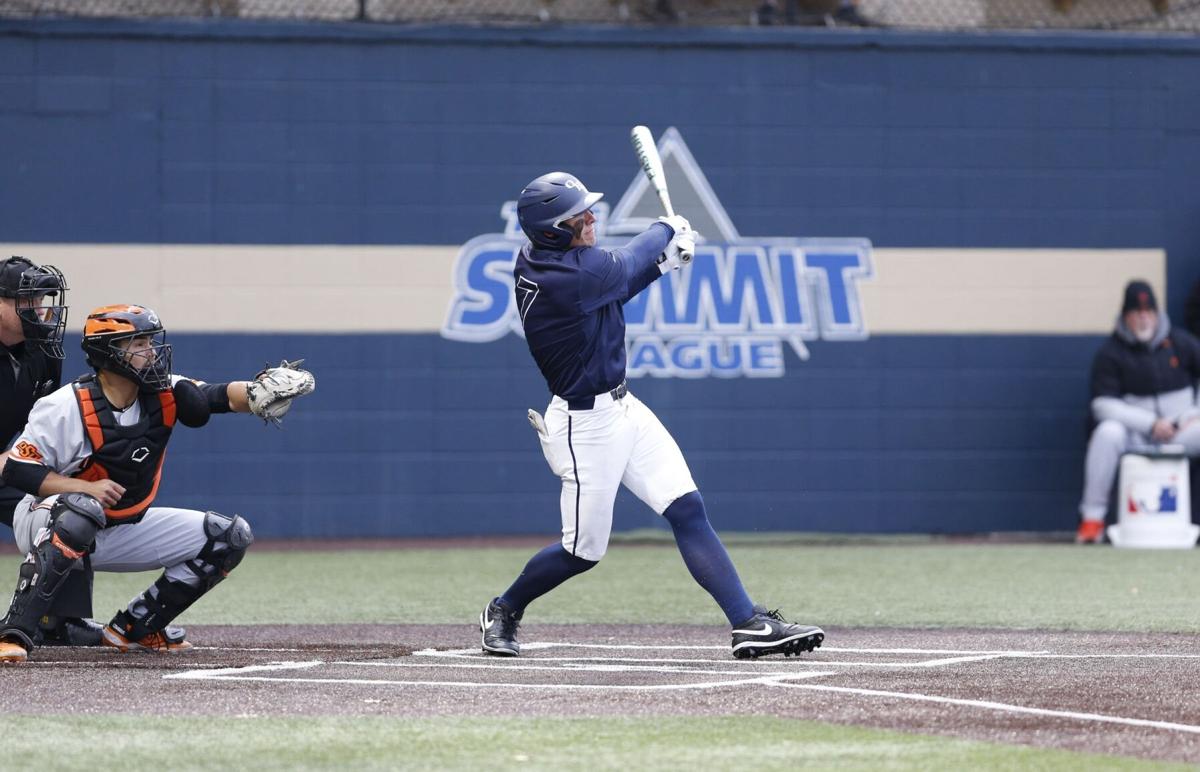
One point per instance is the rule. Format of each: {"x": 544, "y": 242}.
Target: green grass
{"x": 587, "y": 744}
{"x": 1059, "y": 587}
{"x": 905, "y": 582}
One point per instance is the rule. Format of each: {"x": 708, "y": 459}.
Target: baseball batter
{"x": 90, "y": 461}
{"x": 596, "y": 435}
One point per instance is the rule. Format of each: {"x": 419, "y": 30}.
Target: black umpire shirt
{"x": 26, "y": 374}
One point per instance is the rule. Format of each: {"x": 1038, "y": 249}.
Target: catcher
{"x": 90, "y": 461}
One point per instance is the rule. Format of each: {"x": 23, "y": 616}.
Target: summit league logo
{"x": 729, "y": 313}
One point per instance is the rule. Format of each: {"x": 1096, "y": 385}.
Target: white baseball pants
{"x": 594, "y": 452}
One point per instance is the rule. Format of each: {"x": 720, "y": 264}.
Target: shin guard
{"x": 166, "y": 599}
{"x": 74, "y": 520}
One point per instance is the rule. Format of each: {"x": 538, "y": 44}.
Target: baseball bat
{"x": 647, "y": 155}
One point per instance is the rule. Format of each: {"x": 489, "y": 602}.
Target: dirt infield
{"x": 1135, "y": 695}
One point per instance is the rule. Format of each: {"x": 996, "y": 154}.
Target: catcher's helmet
{"x": 29, "y": 285}
{"x": 107, "y": 335}
{"x": 546, "y": 202}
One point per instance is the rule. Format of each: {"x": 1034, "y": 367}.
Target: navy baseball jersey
{"x": 571, "y": 308}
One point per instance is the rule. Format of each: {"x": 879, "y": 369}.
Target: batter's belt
{"x": 587, "y": 403}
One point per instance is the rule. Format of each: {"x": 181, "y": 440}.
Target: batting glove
{"x": 678, "y": 253}
{"x": 678, "y": 224}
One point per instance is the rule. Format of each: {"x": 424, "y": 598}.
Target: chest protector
{"x": 131, "y": 456}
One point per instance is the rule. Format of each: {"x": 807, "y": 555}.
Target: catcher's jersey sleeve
{"x": 54, "y": 436}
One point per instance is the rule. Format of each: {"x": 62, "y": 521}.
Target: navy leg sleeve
{"x": 706, "y": 558}
{"x": 544, "y": 571}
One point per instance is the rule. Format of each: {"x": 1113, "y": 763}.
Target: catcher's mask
{"x": 129, "y": 341}
{"x": 39, "y": 295}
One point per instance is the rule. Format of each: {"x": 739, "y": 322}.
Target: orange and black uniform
{"x": 131, "y": 456}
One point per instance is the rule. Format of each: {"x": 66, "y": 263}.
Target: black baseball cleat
{"x": 499, "y": 628}
{"x": 768, "y": 633}
{"x": 69, "y": 631}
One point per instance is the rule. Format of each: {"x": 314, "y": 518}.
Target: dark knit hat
{"x": 1139, "y": 296}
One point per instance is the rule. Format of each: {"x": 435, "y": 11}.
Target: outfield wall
{"x": 1007, "y": 185}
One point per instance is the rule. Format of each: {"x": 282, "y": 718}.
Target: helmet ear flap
{"x": 553, "y": 239}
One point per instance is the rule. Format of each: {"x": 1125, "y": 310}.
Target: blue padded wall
{"x": 411, "y": 435}
{"x": 243, "y": 132}
{"x": 224, "y": 132}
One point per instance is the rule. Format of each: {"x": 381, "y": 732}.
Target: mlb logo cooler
{"x": 1154, "y": 503}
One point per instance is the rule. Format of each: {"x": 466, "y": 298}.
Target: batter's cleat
{"x": 168, "y": 641}
{"x": 11, "y": 651}
{"x": 768, "y": 633}
{"x": 1090, "y": 532}
{"x": 69, "y": 631}
{"x": 499, "y": 628}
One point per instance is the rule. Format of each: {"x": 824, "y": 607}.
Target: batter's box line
{"x": 778, "y": 680}
{"x": 240, "y": 674}
{"x": 996, "y": 706}
{"x": 538, "y": 645}
{"x": 575, "y": 667}
{"x": 967, "y": 655}
{"x": 332, "y": 649}
{"x": 800, "y": 661}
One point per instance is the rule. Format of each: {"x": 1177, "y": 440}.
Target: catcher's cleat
{"x": 768, "y": 633}
{"x": 1090, "y": 532}
{"x": 499, "y": 628}
{"x": 11, "y": 651}
{"x": 168, "y": 641}
{"x": 69, "y": 631}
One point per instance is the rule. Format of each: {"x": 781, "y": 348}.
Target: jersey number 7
{"x": 527, "y": 292}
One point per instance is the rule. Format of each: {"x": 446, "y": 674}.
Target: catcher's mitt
{"x": 271, "y": 392}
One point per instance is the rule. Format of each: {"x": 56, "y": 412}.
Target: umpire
{"x": 33, "y": 318}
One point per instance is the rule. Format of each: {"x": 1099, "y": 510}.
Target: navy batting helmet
{"x": 549, "y": 200}
{"x": 39, "y": 293}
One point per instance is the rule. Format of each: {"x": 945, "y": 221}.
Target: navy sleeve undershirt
{"x": 620, "y": 274}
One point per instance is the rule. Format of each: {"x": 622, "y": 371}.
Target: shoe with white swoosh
{"x": 499, "y": 628}
{"x": 766, "y": 632}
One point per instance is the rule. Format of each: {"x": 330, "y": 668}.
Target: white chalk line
{"x": 1048, "y": 655}
{"x": 461, "y": 655}
{"x": 578, "y": 667}
{"x": 997, "y": 706}
{"x": 239, "y": 674}
{"x": 537, "y": 645}
{"x": 200, "y": 675}
{"x": 671, "y": 666}
{"x": 332, "y": 648}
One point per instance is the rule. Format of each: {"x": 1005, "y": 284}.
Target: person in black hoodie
{"x": 1143, "y": 397}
